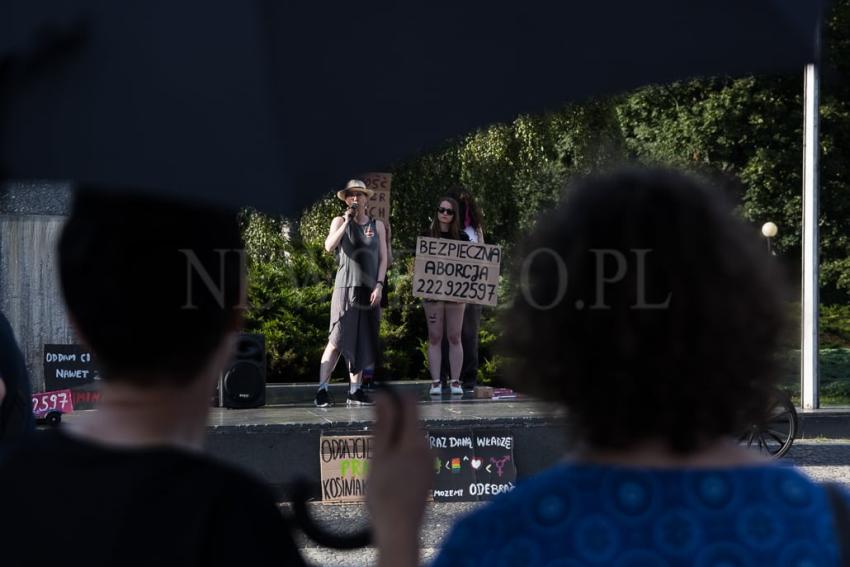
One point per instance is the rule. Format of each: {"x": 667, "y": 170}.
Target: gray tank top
{"x": 358, "y": 256}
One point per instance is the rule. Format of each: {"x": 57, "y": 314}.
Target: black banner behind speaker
{"x": 243, "y": 382}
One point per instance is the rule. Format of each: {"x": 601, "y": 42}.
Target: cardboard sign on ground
{"x": 72, "y": 367}
{"x": 344, "y": 462}
{"x": 469, "y": 465}
{"x": 57, "y": 400}
{"x": 379, "y": 203}
{"x": 452, "y": 270}
{"x": 472, "y": 465}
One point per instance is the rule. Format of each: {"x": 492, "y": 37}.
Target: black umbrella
{"x": 270, "y": 103}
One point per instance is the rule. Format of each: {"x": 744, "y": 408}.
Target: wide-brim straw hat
{"x": 355, "y": 185}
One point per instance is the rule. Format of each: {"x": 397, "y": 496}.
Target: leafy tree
{"x": 746, "y": 130}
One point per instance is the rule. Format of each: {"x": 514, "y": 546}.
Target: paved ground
{"x": 821, "y": 458}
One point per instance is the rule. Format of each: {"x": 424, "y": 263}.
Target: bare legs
{"x": 434, "y": 315}
{"x": 329, "y": 359}
{"x": 454, "y": 324}
{"x": 440, "y": 315}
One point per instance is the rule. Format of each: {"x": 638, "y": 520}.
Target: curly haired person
{"x": 652, "y": 314}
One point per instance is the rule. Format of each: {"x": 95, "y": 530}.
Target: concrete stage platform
{"x": 280, "y": 442}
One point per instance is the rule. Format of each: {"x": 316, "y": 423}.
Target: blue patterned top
{"x": 573, "y": 515}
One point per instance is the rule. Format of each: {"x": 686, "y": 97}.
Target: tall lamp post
{"x": 769, "y": 230}
{"x": 809, "y": 340}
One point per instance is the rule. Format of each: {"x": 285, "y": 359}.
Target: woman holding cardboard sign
{"x": 361, "y": 247}
{"x": 445, "y": 315}
{"x": 469, "y": 222}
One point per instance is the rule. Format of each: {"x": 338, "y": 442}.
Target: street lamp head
{"x": 769, "y": 229}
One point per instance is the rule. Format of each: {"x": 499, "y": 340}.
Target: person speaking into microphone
{"x": 360, "y": 245}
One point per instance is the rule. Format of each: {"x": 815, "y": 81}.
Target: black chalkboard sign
{"x": 472, "y": 465}
{"x": 71, "y": 367}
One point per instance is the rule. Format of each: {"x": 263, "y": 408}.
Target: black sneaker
{"x": 323, "y": 399}
{"x": 359, "y": 398}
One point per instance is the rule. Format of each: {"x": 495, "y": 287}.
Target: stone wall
{"x": 31, "y": 217}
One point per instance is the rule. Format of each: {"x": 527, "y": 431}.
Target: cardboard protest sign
{"x": 472, "y": 465}
{"x": 86, "y": 397}
{"x": 58, "y": 400}
{"x": 453, "y": 470}
{"x": 469, "y": 465}
{"x": 344, "y": 463}
{"x": 452, "y": 270}
{"x": 379, "y": 203}
{"x": 72, "y": 367}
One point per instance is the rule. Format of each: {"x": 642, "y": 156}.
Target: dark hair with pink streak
{"x": 468, "y": 206}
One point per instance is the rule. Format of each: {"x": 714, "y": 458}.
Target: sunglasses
{"x": 449, "y": 212}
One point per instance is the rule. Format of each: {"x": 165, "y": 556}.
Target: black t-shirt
{"x": 461, "y": 235}
{"x": 65, "y": 501}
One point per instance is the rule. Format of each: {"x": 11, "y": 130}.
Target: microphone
{"x": 353, "y": 207}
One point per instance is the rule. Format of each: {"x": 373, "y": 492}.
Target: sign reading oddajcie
{"x": 469, "y": 465}
{"x": 72, "y": 367}
{"x": 452, "y": 270}
{"x": 344, "y": 463}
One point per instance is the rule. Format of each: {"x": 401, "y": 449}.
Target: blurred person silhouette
{"x": 155, "y": 290}
{"x": 16, "y": 418}
{"x": 652, "y": 314}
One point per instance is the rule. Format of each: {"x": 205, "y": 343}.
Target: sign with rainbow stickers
{"x": 472, "y": 465}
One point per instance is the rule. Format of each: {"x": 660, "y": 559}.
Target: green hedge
{"x": 834, "y": 326}
{"x": 290, "y": 285}
{"x": 834, "y": 375}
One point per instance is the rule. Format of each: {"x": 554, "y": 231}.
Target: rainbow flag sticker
{"x": 456, "y": 465}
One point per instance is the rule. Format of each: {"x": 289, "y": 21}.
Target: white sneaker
{"x": 436, "y": 389}
{"x": 456, "y": 389}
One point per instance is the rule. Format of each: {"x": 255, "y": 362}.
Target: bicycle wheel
{"x": 776, "y": 435}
